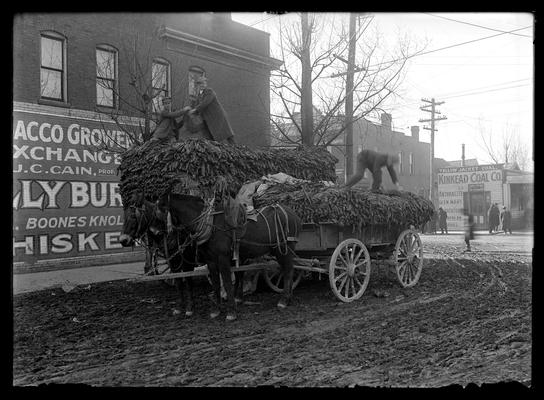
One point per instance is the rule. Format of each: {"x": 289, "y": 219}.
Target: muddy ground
{"x": 468, "y": 320}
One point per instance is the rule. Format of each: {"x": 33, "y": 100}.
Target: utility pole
{"x": 434, "y": 118}
{"x": 306, "y": 106}
{"x": 349, "y": 96}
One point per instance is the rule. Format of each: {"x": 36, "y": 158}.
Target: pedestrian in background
{"x": 469, "y": 228}
{"x": 493, "y": 217}
{"x": 506, "y": 220}
{"x": 442, "y": 220}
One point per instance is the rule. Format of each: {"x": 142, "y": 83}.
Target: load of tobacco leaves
{"x": 213, "y": 169}
{"x": 315, "y": 202}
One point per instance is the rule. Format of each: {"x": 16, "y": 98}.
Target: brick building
{"x": 73, "y": 75}
{"x": 413, "y": 169}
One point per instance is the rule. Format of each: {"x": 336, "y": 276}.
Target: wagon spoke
{"x": 346, "y": 289}
{"x": 343, "y": 259}
{"x": 415, "y": 245}
{"x": 353, "y": 287}
{"x": 342, "y": 284}
{"x": 278, "y": 280}
{"x": 340, "y": 276}
{"x": 360, "y": 265}
{"x": 358, "y": 281}
{"x": 342, "y": 267}
{"x": 402, "y": 269}
{"x": 355, "y": 259}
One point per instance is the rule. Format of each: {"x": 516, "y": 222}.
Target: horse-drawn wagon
{"x": 375, "y": 226}
{"x": 344, "y": 253}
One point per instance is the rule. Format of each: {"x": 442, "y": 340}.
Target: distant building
{"x": 475, "y": 188}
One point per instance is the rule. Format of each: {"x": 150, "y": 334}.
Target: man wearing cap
{"x": 208, "y": 107}
{"x": 375, "y": 161}
{"x": 167, "y": 126}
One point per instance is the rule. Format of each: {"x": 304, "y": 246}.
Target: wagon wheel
{"x": 349, "y": 270}
{"x": 274, "y": 279}
{"x": 408, "y": 258}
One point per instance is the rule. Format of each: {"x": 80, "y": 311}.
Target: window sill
{"x": 56, "y": 103}
{"x": 106, "y": 109}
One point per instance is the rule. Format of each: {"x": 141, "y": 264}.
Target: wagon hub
{"x": 351, "y": 270}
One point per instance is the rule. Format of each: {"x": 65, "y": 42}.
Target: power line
{"x": 265, "y": 19}
{"x": 449, "y": 47}
{"x": 479, "y": 26}
{"x": 485, "y": 91}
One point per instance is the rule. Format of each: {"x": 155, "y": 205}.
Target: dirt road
{"x": 467, "y": 320}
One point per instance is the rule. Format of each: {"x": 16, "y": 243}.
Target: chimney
{"x": 415, "y": 132}
{"x": 386, "y": 120}
{"x": 463, "y": 155}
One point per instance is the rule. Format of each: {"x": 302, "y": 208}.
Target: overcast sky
{"x": 486, "y": 82}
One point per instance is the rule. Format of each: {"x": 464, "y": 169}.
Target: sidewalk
{"x": 24, "y": 283}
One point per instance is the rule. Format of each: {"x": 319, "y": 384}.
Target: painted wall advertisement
{"x": 66, "y": 200}
{"x": 456, "y": 184}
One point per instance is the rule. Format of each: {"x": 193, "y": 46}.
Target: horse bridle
{"x": 140, "y": 217}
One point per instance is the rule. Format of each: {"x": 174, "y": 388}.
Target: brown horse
{"x": 144, "y": 220}
{"x": 275, "y": 232}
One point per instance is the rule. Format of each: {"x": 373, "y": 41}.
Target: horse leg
{"x": 224, "y": 266}
{"x": 239, "y": 286}
{"x": 286, "y": 264}
{"x": 188, "y": 294}
{"x": 216, "y": 284}
{"x": 174, "y": 265}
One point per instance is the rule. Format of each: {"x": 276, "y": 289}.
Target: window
{"x": 53, "y": 67}
{"x": 194, "y": 73}
{"x": 160, "y": 81}
{"x": 400, "y": 162}
{"x": 106, "y": 76}
{"x": 412, "y": 169}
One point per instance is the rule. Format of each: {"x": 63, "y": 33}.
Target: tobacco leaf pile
{"x": 212, "y": 168}
{"x": 314, "y": 202}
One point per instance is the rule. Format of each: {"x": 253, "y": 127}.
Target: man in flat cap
{"x": 208, "y": 107}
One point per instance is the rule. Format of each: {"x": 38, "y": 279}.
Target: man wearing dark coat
{"x": 167, "y": 125}
{"x": 212, "y": 112}
{"x": 506, "y": 219}
{"x": 374, "y": 161}
{"x": 493, "y": 215}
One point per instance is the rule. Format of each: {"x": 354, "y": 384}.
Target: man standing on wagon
{"x": 375, "y": 161}
{"x": 212, "y": 112}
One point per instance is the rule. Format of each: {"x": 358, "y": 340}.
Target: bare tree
{"x": 311, "y": 86}
{"x": 506, "y": 147}
{"x": 134, "y": 112}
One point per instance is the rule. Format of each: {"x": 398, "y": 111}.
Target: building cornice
{"x": 267, "y": 62}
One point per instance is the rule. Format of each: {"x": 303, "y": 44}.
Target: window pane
{"x": 104, "y": 95}
{"x": 159, "y": 76}
{"x": 193, "y": 76}
{"x": 51, "y": 84}
{"x": 51, "y": 53}
{"x": 157, "y": 99}
{"x": 105, "y": 64}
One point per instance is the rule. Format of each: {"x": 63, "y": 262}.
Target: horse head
{"x": 140, "y": 216}
{"x": 183, "y": 208}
